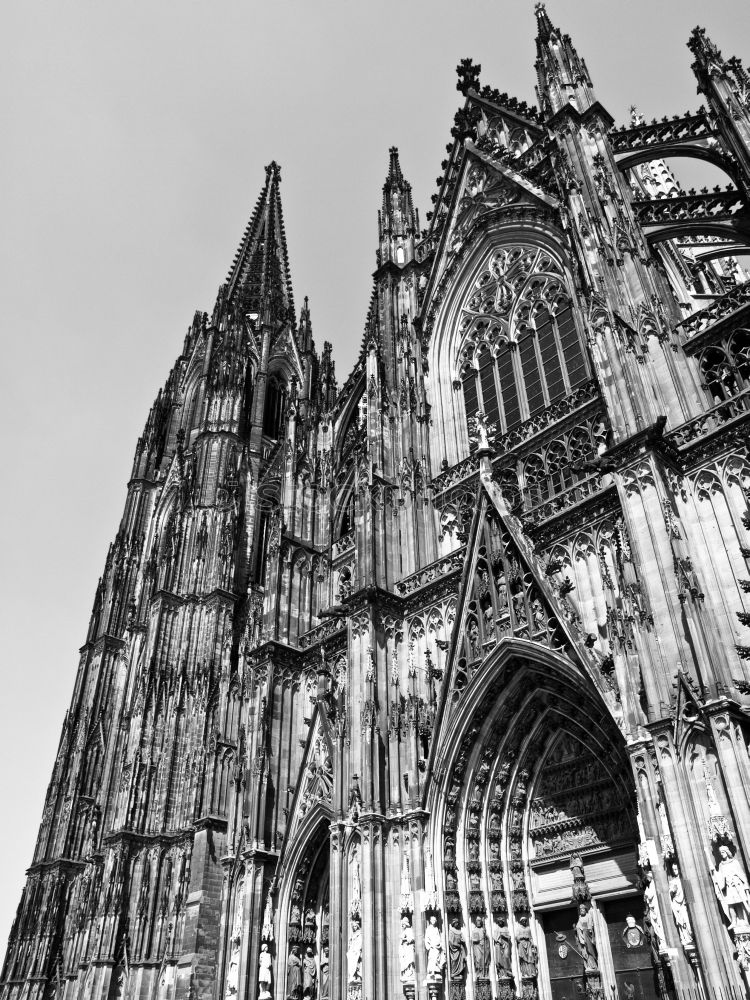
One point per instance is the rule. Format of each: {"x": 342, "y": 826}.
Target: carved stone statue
{"x": 265, "y": 976}
{"x": 456, "y": 950}
{"x": 406, "y": 952}
{"x": 433, "y": 942}
{"x": 528, "y": 955}
{"x": 679, "y": 909}
{"x": 294, "y": 974}
{"x": 503, "y": 949}
{"x": 576, "y": 867}
{"x": 309, "y": 975}
{"x": 354, "y": 952}
{"x": 587, "y": 939}
{"x": 653, "y": 913}
{"x": 732, "y": 888}
{"x": 480, "y": 948}
{"x": 233, "y": 970}
{"x": 324, "y": 973}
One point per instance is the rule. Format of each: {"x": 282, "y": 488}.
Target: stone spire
{"x": 398, "y": 221}
{"x": 725, "y": 83}
{"x": 259, "y": 282}
{"x": 564, "y": 80}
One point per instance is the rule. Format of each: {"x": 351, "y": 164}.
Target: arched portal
{"x": 302, "y": 963}
{"x": 536, "y": 818}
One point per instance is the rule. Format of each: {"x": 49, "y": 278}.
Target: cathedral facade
{"x": 435, "y": 684}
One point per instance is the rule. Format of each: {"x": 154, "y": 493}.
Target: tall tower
{"x": 435, "y": 685}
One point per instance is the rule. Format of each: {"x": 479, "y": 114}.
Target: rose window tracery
{"x": 521, "y": 350}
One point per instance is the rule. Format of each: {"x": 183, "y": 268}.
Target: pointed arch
{"x": 511, "y": 838}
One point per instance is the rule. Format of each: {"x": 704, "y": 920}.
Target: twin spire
{"x": 259, "y": 282}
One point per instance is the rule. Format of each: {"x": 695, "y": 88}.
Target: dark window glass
{"x": 531, "y": 376}
{"x": 262, "y": 550}
{"x": 489, "y": 389}
{"x": 550, "y": 358}
{"x": 571, "y": 347}
{"x": 273, "y": 409}
{"x": 471, "y": 401}
{"x": 508, "y": 388}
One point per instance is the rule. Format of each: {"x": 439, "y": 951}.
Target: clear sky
{"x": 135, "y": 136}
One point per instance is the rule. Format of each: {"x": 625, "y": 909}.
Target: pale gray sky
{"x": 135, "y": 136}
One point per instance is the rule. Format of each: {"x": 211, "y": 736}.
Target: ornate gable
{"x": 485, "y": 190}
{"x": 508, "y": 593}
{"x": 315, "y": 785}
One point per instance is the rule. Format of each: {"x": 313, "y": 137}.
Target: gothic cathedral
{"x": 436, "y": 685}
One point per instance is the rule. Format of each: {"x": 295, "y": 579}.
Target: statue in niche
{"x": 406, "y": 952}
{"x": 489, "y": 620}
{"x": 294, "y": 974}
{"x": 310, "y": 924}
{"x": 679, "y": 909}
{"x": 309, "y": 975}
{"x": 480, "y": 948}
{"x": 652, "y": 912}
{"x": 456, "y": 950}
{"x": 503, "y": 949}
{"x": 473, "y": 637}
{"x": 324, "y": 961}
{"x": 732, "y": 888}
{"x": 265, "y": 963}
{"x": 576, "y": 867}
{"x": 433, "y": 942}
{"x": 587, "y": 938}
{"x": 233, "y": 970}
{"x": 354, "y": 952}
{"x": 528, "y": 956}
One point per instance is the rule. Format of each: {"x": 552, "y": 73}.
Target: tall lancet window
{"x": 521, "y": 350}
{"x": 274, "y": 412}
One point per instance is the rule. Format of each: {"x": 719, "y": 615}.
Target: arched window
{"x": 537, "y": 487}
{"x": 740, "y": 353}
{"x": 522, "y": 348}
{"x": 347, "y": 518}
{"x": 717, "y": 374}
{"x": 261, "y": 551}
{"x": 274, "y": 411}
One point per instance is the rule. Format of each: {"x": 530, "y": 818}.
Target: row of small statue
{"x": 302, "y": 979}
{"x": 481, "y": 949}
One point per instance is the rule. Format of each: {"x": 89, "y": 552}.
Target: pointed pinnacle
{"x": 544, "y": 25}
{"x": 394, "y": 168}
{"x": 468, "y": 76}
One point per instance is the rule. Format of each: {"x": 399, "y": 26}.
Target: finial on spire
{"x": 394, "y": 168}
{"x": 544, "y": 25}
{"x": 468, "y": 76}
{"x": 259, "y": 281}
{"x": 702, "y": 47}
